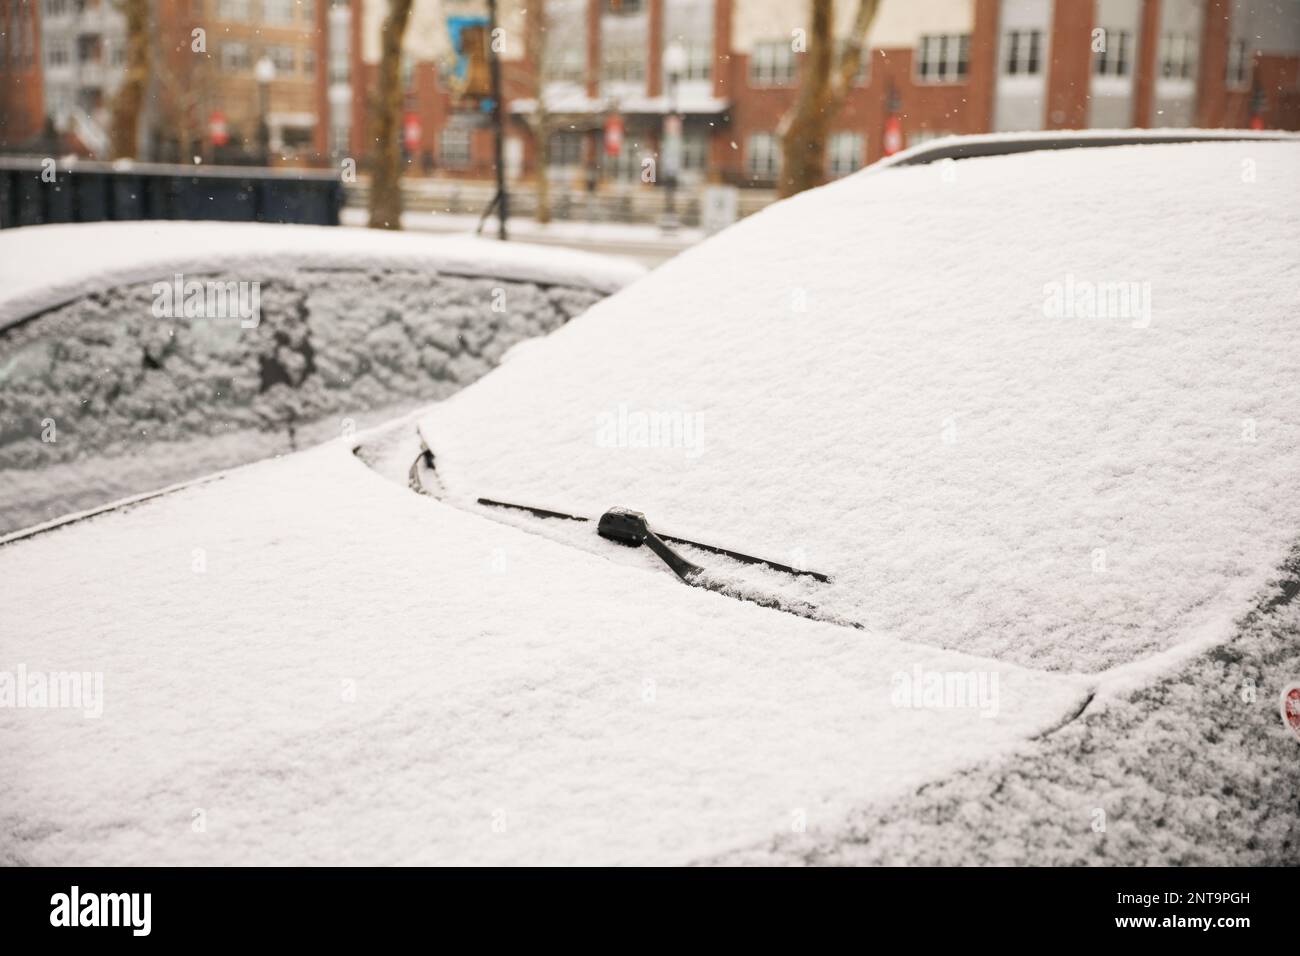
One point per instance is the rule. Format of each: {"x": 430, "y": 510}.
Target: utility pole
{"x": 494, "y": 62}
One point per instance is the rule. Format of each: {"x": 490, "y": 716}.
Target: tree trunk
{"x": 386, "y": 177}
{"x": 543, "y": 180}
{"x": 821, "y": 94}
{"x": 124, "y": 132}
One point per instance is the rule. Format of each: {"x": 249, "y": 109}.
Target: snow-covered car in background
{"x": 137, "y": 354}
{"x": 989, "y": 466}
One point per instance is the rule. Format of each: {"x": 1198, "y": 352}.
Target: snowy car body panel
{"x": 1053, "y": 439}
{"x": 302, "y": 662}
{"x": 44, "y": 266}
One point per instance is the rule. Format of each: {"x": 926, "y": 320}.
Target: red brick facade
{"x": 22, "y": 108}
{"x": 963, "y": 105}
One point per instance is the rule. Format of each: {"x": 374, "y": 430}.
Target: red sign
{"x": 217, "y": 128}
{"x": 411, "y": 131}
{"x": 1291, "y": 708}
{"x": 893, "y": 135}
{"x": 613, "y": 135}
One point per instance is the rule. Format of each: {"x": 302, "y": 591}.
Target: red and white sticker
{"x": 1291, "y": 707}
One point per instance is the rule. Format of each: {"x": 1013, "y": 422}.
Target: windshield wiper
{"x": 624, "y": 525}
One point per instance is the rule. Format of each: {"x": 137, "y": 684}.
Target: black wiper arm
{"x": 630, "y": 528}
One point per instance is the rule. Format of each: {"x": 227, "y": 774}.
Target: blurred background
{"x": 674, "y": 116}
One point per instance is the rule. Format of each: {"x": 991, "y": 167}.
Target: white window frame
{"x": 772, "y": 64}
{"x": 942, "y": 58}
{"x": 1033, "y": 47}
{"x": 841, "y": 161}
{"x": 235, "y": 56}
{"x": 1178, "y": 57}
{"x": 455, "y": 147}
{"x": 771, "y": 153}
{"x": 235, "y": 10}
{"x": 1237, "y": 71}
{"x": 1116, "y": 61}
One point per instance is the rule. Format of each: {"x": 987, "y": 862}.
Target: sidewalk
{"x": 647, "y": 244}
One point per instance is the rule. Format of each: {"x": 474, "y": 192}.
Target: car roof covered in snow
{"x": 1027, "y": 141}
{"x": 1043, "y": 407}
{"x": 45, "y": 266}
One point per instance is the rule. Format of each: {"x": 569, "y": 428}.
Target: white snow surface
{"x": 875, "y": 390}
{"x": 45, "y": 266}
{"x": 365, "y": 675}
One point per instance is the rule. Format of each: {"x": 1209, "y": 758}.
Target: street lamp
{"x": 675, "y": 62}
{"x": 264, "y": 73}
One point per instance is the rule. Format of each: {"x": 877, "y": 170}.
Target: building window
{"x": 340, "y": 134}
{"x": 1237, "y": 74}
{"x": 566, "y": 60}
{"x": 623, "y": 47}
{"x": 283, "y": 58}
{"x": 771, "y": 64}
{"x": 624, "y": 6}
{"x": 943, "y": 59}
{"x": 763, "y": 156}
{"x": 235, "y": 57}
{"x": 1024, "y": 53}
{"x": 453, "y": 147}
{"x": 699, "y": 60}
{"x": 339, "y": 66}
{"x": 624, "y": 63}
{"x": 307, "y": 9}
{"x": 695, "y": 150}
{"x": 1177, "y": 56}
{"x": 278, "y": 11}
{"x": 57, "y": 54}
{"x": 233, "y": 9}
{"x": 1114, "y": 60}
{"x": 88, "y": 48}
{"x": 863, "y": 75}
{"x": 308, "y": 62}
{"x": 844, "y": 153}
{"x": 564, "y": 149}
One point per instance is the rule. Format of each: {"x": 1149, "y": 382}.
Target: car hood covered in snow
{"x": 302, "y": 662}
{"x": 1041, "y": 407}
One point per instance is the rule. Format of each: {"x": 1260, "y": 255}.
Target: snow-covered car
{"x": 989, "y": 470}
{"x": 135, "y": 354}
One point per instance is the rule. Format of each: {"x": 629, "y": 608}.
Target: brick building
{"x": 22, "y": 108}
{"x": 937, "y": 67}
{"x": 62, "y": 62}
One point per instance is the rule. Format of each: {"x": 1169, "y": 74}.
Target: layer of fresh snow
{"x": 866, "y": 381}
{"x": 305, "y": 663}
{"x": 45, "y": 266}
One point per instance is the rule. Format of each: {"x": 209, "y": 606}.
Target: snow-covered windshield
{"x": 1056, "y": 433}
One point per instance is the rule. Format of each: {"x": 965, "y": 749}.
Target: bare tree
{"x": 128, "y": 104}
{"x": 826, "y": 81}
{"x": 540, "y": 123}
{"x": 386, "y": 177}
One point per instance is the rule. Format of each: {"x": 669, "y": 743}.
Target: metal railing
{"x": 34, "y": 191}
